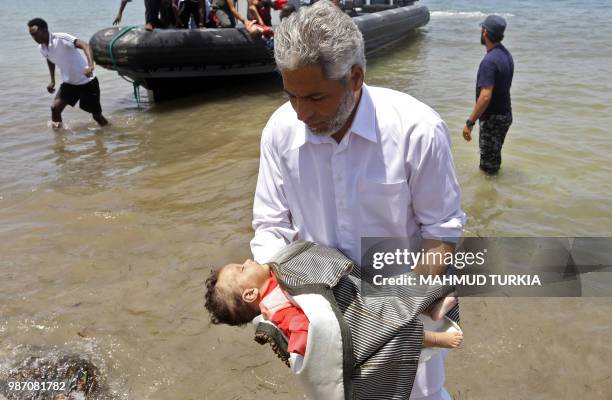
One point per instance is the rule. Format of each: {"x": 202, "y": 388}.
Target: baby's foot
{"x": 448, "y": 340}
{"x": 439, "y": 309}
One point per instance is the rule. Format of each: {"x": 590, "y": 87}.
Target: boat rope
{"x": 135, "y": 83}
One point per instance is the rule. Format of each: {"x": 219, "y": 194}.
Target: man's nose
{"x": 304, "y": 110}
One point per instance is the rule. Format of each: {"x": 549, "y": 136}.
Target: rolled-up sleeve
{"x": 271, "y": 216}
{"x": 435, "y": 192}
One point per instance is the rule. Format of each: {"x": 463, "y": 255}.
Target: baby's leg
{"x": 448, "y": 340}
{"x": 440, "y": 307}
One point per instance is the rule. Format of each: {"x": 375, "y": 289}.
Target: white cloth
{"x": 71, "y": 62}
{"x": 392, "y": 175}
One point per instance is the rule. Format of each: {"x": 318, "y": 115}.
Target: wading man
{"x": 342, "y": 160}
{"x": 78, "y": 81}
{"x": 493, "y": 107}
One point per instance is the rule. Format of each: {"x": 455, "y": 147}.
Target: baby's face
{"x": 245, "y": 276}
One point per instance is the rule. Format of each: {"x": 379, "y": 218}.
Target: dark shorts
{"x": 493, "y": 132}
{"x": 88, "y": 95}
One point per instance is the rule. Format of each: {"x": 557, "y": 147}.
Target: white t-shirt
{"x": 71, "y": 62}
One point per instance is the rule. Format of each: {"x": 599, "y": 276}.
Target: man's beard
{"x": 344, "y": 112}
{"x": 482, "y": 39}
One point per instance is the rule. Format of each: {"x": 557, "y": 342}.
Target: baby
{"x": 237, "y": 293}
{"x": 339, "y": 344}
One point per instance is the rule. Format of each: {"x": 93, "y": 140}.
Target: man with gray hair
{"x": 343, "y": 160}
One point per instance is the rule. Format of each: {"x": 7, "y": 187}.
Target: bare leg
{"x": 100, "y": 119}
{"x": 438, "y": 310}
{"x": 57, "y": 107}
{"x": 448, "y": 340}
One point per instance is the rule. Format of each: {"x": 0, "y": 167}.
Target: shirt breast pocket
{"x": 383, "y": 207}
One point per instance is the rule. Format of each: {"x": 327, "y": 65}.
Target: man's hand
{"x": 117, "y": 19}
{"x": 51, "y": 87}
{"x": 467, "y": 133}
{"x": 88, "y": 72}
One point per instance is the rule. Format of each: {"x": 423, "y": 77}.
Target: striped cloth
{"x": 382, "y": 336}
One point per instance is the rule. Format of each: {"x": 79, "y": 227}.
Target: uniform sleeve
{"x": 436, "y": 197}
{"x": 486, "y": 74}
{"x": 271, "y": 215}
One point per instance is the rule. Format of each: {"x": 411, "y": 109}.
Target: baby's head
{"x": 233, "y": 292}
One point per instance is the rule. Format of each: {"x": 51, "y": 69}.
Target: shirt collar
{"x": 364, "y": 124}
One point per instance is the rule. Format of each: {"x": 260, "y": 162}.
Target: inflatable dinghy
{"x": 178, "y": 59}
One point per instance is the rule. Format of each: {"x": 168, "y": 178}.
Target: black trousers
{"x": 188, "y": 9}
{"x": 152, "y": 8}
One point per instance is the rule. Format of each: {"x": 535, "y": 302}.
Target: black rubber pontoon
{"x": 179, "y": 59}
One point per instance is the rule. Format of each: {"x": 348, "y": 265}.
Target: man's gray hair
{"x": 319, "y": 34}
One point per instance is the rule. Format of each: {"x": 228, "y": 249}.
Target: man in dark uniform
{"x": 493, "y": 107}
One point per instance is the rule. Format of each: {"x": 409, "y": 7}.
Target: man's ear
{"x": 357, "y": 77}
{"x": 250, "y": 295}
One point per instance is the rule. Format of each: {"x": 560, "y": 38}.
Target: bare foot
{"x": 148, "y": 27}
{"x": 448, "y": 340}
{"x": 100, "y": 120}
{"x": 438, "y": 310}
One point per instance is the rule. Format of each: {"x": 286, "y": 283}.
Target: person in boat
{"x": 79, "y": 84}
{"x": 342, "y": 160}
{"x": 192, "y": 9}
{"x": 224, "y": 14}
{"x": 260, "y": 11}
{"x": 292, "y": 292}
{"x": 152, "y": 10}
{"x": 158, "y": 14}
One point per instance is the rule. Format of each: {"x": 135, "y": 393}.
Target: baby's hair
{"x": 226, "y": 306}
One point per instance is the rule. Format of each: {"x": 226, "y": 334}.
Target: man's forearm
{"x": 89, "y": 55}
{"x": 122, "y": 6}
{"x": 481, "y": 105}
{"x": 51, "y": 70}
{"x": 432, "y": 262}
{"x": 79, "y": 44}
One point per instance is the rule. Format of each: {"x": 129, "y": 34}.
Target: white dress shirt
{"x": 72, "y": 64}
{"x": 392, "y": 175}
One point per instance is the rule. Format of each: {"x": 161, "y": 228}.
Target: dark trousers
{"x": 152, "y": 8}
{"x": 491, "y": 138}
{"x": 188, "y": 9}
